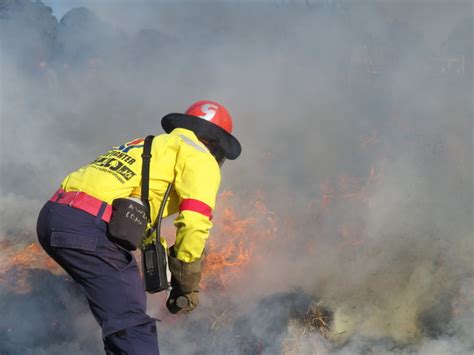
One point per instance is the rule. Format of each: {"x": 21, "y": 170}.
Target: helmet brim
{"x": 205, "y": 130}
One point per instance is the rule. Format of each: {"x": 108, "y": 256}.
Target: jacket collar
{"x": 190, "y": 135}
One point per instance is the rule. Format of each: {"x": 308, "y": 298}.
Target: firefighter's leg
{"x": 134, "y": 340}
{"x": 108, "y": 274}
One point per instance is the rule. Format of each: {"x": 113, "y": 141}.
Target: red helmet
{"x": 211, "y": 122}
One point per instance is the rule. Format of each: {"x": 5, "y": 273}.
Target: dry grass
{"x": 309, "y": 332}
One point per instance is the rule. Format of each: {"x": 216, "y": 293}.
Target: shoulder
{"x": 195, "y": 152}
{"x": 200, "y": 160}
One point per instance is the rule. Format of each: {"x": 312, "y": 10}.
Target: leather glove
{"x": 185, "y": 278}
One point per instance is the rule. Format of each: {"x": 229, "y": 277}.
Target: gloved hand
{"x": 185, "y": 278}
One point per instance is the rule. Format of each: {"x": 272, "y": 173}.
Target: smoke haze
{"x": 355, "y": 120}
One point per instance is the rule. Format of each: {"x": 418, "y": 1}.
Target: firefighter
{"x": 72, "y": 225}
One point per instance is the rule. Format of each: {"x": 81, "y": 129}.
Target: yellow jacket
{"x": 178, "y": 158}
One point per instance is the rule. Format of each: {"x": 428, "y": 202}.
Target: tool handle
{"x": 182, "y": 302}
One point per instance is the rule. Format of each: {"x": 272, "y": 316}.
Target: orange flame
{"x": 29, "y": 256}
{"x": 243, "y": 232}
{"x": 231, "y": 248}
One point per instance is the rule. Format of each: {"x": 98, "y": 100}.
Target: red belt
{"x": 84, "y": 202}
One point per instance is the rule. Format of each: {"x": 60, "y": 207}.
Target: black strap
{"x": 159, "y": 217}
{"x": 146, "y": 155}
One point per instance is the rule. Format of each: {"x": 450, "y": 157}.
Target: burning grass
{"x": 245, "y": 237}
{"x": 23, "y": 258}
{"x": 236, "y": 238}
{"x": 318, "y": 318}
{"x": 278, "y": 324}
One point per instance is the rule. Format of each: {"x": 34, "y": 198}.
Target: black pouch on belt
{"x": 130, "y": 215}
{"x": 128, "y": 222}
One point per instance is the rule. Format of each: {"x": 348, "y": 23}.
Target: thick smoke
{"x": 330, "y": 99}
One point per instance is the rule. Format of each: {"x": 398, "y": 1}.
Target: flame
{"x": 29, "y": 256}
{"x": 242, "y": 234}
{"x": 243, "y": 231}
{"x": 23, "y": 257}
{"x": 231, "y": 249}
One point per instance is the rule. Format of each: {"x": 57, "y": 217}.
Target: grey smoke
{"x": 306, "y": 82}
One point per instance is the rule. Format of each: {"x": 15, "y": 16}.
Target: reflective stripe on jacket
{"x": 178, "y": 158}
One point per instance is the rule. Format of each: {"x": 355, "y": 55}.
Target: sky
{"x": 60, "y": 7}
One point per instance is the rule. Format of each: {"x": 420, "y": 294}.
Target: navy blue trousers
{"x": 108, "y": 274}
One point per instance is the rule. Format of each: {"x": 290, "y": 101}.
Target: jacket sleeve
{"x": 197, "y": 182}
